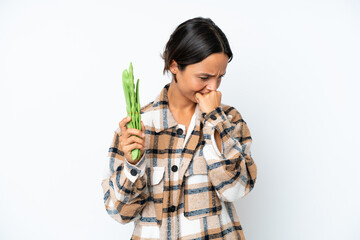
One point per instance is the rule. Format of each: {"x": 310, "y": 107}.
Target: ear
{"x": 174, "y": 67}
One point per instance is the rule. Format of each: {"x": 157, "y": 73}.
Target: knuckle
{"x": 136, "y": 132}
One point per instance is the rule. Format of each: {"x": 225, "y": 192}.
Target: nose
{"x": 212, "y": 85}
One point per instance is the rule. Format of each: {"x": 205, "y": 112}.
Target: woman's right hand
{"x": 129, "y": 142}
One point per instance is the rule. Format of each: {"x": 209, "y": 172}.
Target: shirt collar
{"x": 162, "y": 118}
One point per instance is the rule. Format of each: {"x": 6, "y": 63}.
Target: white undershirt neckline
{"x": 191, "y": 126}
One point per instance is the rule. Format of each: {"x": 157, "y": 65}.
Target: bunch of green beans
{"x": 132, "y": 104}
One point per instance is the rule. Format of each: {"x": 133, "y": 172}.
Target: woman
{"x": 195, "y": 151}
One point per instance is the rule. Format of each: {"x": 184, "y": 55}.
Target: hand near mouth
{"x": 209, "y": 101}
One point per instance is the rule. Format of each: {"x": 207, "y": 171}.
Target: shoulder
{"x": 147, "y": 107}
{"x": 148, "y": 114}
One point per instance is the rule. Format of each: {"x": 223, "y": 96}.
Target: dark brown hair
{"x": 193, "y": 41}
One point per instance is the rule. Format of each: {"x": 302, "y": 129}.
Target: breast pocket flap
{"x": 157, "y": 174}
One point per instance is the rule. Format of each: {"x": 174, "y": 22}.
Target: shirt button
{"x": 213, "y": 117}
{"x": 174, "y": 168}
{"x": 172, "y": 209}
{"x": 133, "y": 172}
{"x": 179, "y": 131}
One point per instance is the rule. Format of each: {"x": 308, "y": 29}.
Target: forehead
{"x": 213, "y": 64}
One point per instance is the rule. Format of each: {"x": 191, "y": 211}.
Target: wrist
{"x": 134, "y": 162}
{"x": 214, "y": 112}
{"x": 209, "y": 110}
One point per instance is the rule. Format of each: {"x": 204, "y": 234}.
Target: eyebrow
{"x": 209, "y": 75}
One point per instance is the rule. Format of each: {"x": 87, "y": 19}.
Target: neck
{"x": 177, "y": 101}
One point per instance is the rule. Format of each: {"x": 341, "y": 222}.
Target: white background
{"x": 294, "y": 78}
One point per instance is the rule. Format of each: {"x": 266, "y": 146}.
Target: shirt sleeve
{"x": 134, "y": 171}
{"x": 232, "y": 170}
{"x": 125, "y": 190}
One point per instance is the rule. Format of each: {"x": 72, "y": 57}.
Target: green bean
{"x": 132, "y": 103}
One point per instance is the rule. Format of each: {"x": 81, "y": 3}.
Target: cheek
{"x": 198, "y": 86}
{"x": 193, "y": 84}
{"x": 201, "y": 88}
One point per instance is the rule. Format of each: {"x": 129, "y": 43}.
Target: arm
{"x": 125, "y": 190}
{"x": 232, "y": 170}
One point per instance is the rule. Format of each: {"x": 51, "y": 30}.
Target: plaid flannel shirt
{"x": 184, "y": 186}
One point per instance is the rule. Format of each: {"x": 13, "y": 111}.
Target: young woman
{"x": 195, "y": 151}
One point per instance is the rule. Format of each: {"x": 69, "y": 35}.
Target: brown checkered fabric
{"x": 184, "y": 186}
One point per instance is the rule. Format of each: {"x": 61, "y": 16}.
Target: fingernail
{"x": 128, "y": 118}
{"x": 143, "y": 134}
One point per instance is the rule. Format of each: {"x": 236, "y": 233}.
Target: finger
{"x": 219, "y": 94}
{"x": 198, "y": 96}
{"x": 134, "y": 131}
{"x": 122, "y": 123}
{"x": 134, "y": 139}
{"x": 134, "y": 146}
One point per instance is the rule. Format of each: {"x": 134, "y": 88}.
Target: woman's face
{"x": 202, "y": 77}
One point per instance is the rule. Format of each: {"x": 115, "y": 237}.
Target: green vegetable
{"x": 132, "y": 104}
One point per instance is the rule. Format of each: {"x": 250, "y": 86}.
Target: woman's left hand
{"x": 208, "y": 102}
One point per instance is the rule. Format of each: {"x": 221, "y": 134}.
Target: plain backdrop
{"x": 294, "y": 78}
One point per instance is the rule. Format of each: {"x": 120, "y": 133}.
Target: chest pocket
{"x": 152, "y": 213}
{"x": 200, "y": 198}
